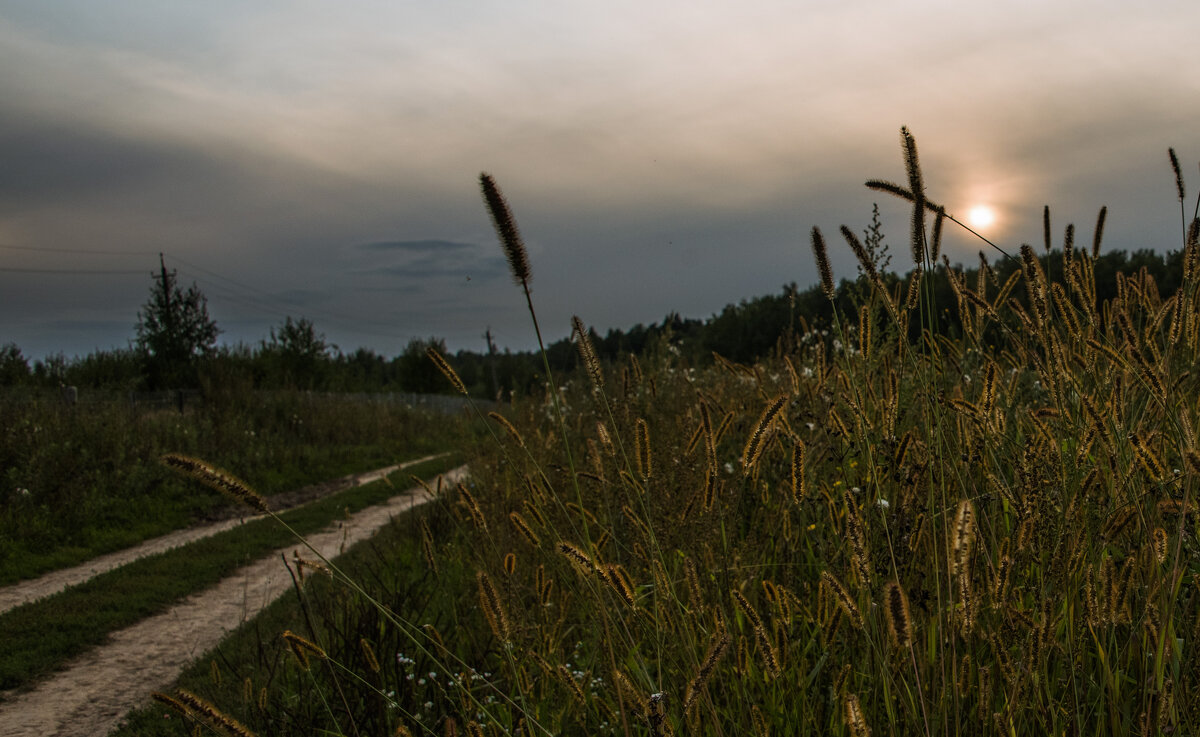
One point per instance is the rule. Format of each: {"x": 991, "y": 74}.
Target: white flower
{"x": 883, "y": 503}
{"x": 728, "y": 468}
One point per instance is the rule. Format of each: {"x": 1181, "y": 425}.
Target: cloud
{"x": 53, "y": 161}
{"x": 419, "y": 246}
{"x": 428, "y": 262}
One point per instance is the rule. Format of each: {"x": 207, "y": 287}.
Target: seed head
{"x": 506, "y": 229}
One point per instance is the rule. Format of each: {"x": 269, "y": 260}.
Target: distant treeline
{"x": 741, "y": 332}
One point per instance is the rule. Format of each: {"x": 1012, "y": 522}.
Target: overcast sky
{"x": 321, "y": 159}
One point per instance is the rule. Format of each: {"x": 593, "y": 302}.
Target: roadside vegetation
{"x": 80, "y": 480}
{"x": 893, "y": 523}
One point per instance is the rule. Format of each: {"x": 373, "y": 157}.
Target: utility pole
{"x": 492, "y": 361}
{"x": 168, "y": 313}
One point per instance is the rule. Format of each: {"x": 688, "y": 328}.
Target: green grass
{"x": 41, "y": 636}
{"x": 77, "y": 482}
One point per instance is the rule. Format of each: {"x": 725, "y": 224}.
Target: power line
{"x": 76, "y": 251}
{"x": 88, "y": 272}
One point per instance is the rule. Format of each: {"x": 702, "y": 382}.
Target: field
{"x": 82, "y": 480}
{"x": 879, "y": 529}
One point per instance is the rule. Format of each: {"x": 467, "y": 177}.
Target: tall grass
{"x": 988, "y": 533}
{"x": 77, "y": 481}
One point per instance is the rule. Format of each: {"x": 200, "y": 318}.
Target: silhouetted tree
{"x": 173, "y": 331}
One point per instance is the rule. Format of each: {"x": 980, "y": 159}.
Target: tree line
{"x": 176, "y": 341}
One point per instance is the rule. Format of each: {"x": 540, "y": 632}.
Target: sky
{"x": 322, "y": 159}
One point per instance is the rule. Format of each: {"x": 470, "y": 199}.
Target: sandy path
{"x": 55, "y": 581}
{"x": 92, "y": 695}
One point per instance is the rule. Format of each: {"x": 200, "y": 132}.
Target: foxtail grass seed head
{"x": 799, "y": 489}
{"x": 857, "y": 536}
{"x": 629, "y": 694}
{"x": 493, "y": 609}
{"x": 917, "y": 186}
{"x": 710, "y": 438}
{"x": 855, "y": 721}
{"x": 761, "y": 434}
{"x": 1046, "y": 227}
{"x": 1099, "y": 234}
{"x": 643, "y": 449}
{"x": 508, "y": 427}
{"x": 842, "y": 597}
{"x": 506, "y": 229}
{"x": 619, "y": 579}
{"x": 446, "y": 369}
{"x": 523, "y": 527}
{"x": 302, "y": 648}
{"x": 882, "y": 185}
{"x": 693, "y": 584}
{"x": 770, "y": 657}
{"x": 568, "y": 679}
{"x": 427, "y": 547}
{"x": 200, "y": 709}
{"x": 1178, "y": 174}
{"x": 215, "y": 478}
{"x": 582, "y": 560}
{"x": 899, "y": 618}
{"x": 939, "y": 221}
{"x": 860, "y": 252}
{"x": 821, "y": 254}
{"x": 368, "y": 655}
{"x": 964, "y": 536}
{"x": 468, "y": 500}
{"x": 170, "y": 702}
{"x": 315, "y": 566}
{"x": 1160, "y": 544}
{"x": 587, "y": 353}
{"x": 716, "y": 649}
{"x": 1147, "y": 459}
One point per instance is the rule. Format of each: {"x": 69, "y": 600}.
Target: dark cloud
{"x": 431, "y": 259}
{"x": 418, "y": 246}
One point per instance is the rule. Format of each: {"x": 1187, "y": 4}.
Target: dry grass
{"x": 984, "y": 534}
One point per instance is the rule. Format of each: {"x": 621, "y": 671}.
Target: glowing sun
{"x": 981, "y": 216}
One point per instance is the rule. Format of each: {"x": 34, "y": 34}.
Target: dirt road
{"x": 55, "y": 581}
{"x": 93, "y": 693}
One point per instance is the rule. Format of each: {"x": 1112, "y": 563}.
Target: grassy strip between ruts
{"x": 253, "y": 674}
{"x": 42, "y": 635}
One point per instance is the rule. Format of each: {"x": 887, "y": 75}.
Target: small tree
{"x": 14, "y": 368}
{"x": 173, "y": 331}
{"x": 299, "y": 352}
{"x": 417, "y": 373}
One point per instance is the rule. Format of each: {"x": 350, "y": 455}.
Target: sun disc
{"x": 981, "y": 216}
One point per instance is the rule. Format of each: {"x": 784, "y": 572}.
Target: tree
{"x": 300, "y": 352}
{"x": 14, "y": 368}
{"x": 173, "y": 331}
{"x": 417, "y": 373}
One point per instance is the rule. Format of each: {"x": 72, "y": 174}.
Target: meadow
{"x": 880, "y": 528}
{"x": 80, "y": 480}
